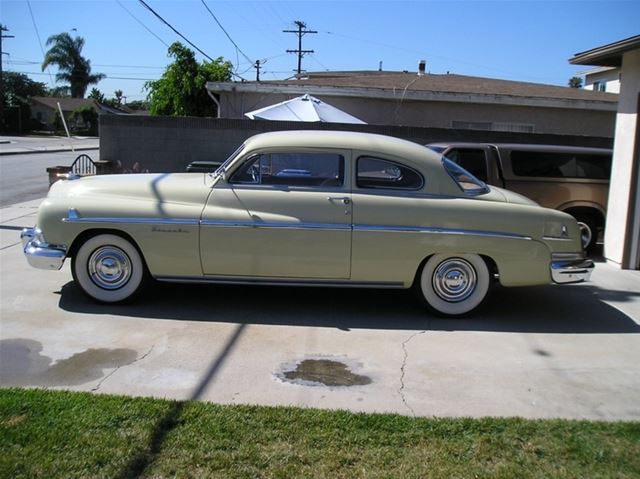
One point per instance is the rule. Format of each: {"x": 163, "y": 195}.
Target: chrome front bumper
{"x": 40, "y": 254}
{"x": 570, "y": 268}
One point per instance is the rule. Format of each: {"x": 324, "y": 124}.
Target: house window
{"x": 599, "y": 86}
{"x": 494, "y": 126}
{"x": 513, "y": 127}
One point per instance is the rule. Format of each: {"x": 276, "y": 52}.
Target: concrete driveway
{"x": 552, "y": 351}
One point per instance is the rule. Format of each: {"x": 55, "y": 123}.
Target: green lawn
{"x": 51, "y": 434}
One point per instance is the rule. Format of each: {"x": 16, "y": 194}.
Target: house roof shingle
{"x": 407, "y": 86}
{"x": 67, "y": 104}
{"x": 448, "y": 83}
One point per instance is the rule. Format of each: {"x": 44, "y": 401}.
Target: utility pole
{"x": 257, "y": 67}
{"x": 301, "y": 31}
{"x": 2, "y": 35}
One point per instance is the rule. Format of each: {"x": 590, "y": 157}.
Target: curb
{"x": 56, "y": 150}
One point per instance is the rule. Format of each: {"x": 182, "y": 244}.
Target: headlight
{"x": 556, "y": 229}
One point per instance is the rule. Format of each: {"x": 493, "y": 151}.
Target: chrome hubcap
{"x": 454, "y": 280}
{"x": 585, "y": 233}
{"x": 109, "y": 267}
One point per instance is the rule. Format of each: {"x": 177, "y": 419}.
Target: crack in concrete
{"x": 10, "y": 246}
{"x": 402, "y": 369}
{"x": 101, "y": 382}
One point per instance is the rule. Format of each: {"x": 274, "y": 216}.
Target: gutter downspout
{"x": 215, "y": 100}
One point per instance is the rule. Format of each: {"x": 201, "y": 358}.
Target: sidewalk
{"x": 17, "y": 145}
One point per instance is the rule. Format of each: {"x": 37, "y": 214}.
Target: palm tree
{"x": 73, "y": 68}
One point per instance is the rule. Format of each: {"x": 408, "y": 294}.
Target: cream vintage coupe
{"x": 314, "y": 208}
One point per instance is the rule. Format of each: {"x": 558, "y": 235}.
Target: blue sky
{"x": 513, "y": 40}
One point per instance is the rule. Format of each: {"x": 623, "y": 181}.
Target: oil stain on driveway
{"x": 22, "y": 364}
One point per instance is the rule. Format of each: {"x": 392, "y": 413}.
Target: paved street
{"x": 553, "y": 351}
{"x": 34, "y": 144}
{"x": 24, "y": 177}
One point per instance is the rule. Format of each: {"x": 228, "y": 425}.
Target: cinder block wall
{"x": 168, "y": 144}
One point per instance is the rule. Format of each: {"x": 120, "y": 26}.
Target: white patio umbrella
{"x": 303, "y": 108}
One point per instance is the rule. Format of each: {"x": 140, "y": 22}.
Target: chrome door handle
{"x": 345, "y": 199}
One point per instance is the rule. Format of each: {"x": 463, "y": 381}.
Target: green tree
{"x": 17, "y": 93}
{"x": 138, "y": 105}
{"x": 181, "y": 89}
{"x": 66, "y": 54}
{"x": 575, "y": 82}
{"x": 97, "y": 95}
{"x": 119, "y": 95}
{"x": 19, "y": 87}
{"x": 85, "y": 120}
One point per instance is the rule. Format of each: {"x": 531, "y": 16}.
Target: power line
{"x": 108, "y": 77}
{"x": 180, "y": 34}
{"x": 226, "y": 33}
{"x": 35, "y": 26}
{"x": 143, "y": 25}
{"x": 32, "y": 62}
{"x": 175, "y": 31}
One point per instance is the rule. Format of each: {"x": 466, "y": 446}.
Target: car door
{"x": 280, "y": 214}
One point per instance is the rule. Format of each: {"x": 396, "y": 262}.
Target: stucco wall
{"x": 545, "y": 120}
{"x": 622, "y": 233}
{"x": 169, "y": 144}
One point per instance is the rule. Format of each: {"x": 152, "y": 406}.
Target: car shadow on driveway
{"x": 567, "y": 309}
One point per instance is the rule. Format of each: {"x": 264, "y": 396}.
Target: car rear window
{"x": 468, "y": 183}
{"x": 381, "y": 173}
{"x": 471, "y": 159}
{"x": 561, "y": 165}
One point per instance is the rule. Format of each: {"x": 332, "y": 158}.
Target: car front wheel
{"x": 454, "y": 285}
{"x": 108, "y": 268}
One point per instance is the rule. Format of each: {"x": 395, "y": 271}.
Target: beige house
{"x": 602, "y": 79}
{"x": 622, "y": 231}
{"x": 45, "y": 108}
{"x": 439, "y": 101}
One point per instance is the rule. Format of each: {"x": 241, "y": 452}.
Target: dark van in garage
{"x": 567, "y": 178}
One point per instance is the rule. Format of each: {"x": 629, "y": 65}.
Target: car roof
{"x": 525, "y": 147}
{"x": 338, "y": 139}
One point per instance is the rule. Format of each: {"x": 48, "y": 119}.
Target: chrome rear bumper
{"x": 40, "y": 254}
{"x": 567, "y": 269}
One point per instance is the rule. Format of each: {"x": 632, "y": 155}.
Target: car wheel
{"x": 588, "y": 231}
{"x": 454, "y": 285}
{"x": 108, "y": 268}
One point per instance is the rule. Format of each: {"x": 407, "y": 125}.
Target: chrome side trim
{"x": 73, "y": 218}
{"x": 553, "y": 238}
{"x": 253, "y": 224}
{"x": 280, "y": 282}
{"x": 447, "y": 231}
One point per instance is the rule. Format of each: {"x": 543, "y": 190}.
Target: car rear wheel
{"x": 108, "y": 268}
{"x": 454, "y": 285}
{"x": 588, "y": 231}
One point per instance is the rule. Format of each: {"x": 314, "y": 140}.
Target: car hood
{"x": 180, "y": 188}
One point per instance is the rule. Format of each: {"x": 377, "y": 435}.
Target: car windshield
{"x": 223, "y": 167}
{"x": 465, "y": 180}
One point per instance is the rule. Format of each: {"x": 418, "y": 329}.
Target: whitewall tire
{"x": 108, "y": 268}
{"x": 454, "y": 285}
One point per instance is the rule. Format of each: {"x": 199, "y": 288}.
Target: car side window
{"x": 471, "y": 159}
{"x": 379, "y": 173}
{"x": 292, "y": 169}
